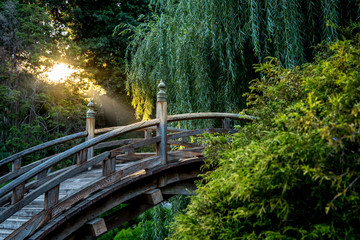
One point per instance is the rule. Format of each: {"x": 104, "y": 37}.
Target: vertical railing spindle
{"x": 19, "y": 191}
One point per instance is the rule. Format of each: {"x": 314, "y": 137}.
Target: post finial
{"x": 90, "y": 113}
{"x": 161, "y": 96}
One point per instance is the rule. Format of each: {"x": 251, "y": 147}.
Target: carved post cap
{"x": 90, "y": 113}
{"x": 161, "y": 96}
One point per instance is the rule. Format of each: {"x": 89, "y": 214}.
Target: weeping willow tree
{"x": 204, "y": 49}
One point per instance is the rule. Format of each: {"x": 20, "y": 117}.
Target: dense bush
{"x": 293, "y": 173}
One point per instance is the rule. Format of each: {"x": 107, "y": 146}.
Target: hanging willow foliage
{"x": 204, "y": 49}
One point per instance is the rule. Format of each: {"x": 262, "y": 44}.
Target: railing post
{"x": 90, "y": 127}
{"x": 51, "y": 197}
{"x": 226, "y": 122}
{"x": 161, "y": 113}
{"x": 19, "y": 191}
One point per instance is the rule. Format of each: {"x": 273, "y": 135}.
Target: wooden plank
{"x": 134, "y": 156}
{"x": 97, "y": 227}
{"x": 16, "y": 165}
{"x": 51, "y": 197}
{"x": 108, "y": 166}
{"x": 104, "y": 182}
{"x": 142, "y": 143}
{"x": 226, "y": 122}
{"x": 42, "y": 174}
{"x": 209, "y": 115}
{"x": 29, "y": 227}
{"x": 34, "y": 184}
{"x": 153, "y": 197}
{"x": 147, "y": 133}
{"x": 116, "y": 143}
{"x": 169, "y": 129}
{"x": 70, "y": 172}
{"x": 54, "y": 160}
{"x": 12, "y": 175}
{"x": 99, "y": 202}
{"x": 183, "y": 154}
{"x": 18, "y": 193}
{"x": 183, "y": 143}
{"x": 182, "y": 188}
{"x": 76, "y": 221}
{"x": 109, "y": 129}
{"x": 81, "y": 157}
{"x": 42, "y": 146}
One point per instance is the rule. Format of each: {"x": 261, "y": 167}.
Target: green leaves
{"x": 294, "y": 172}
{"x": 204, "y": 50}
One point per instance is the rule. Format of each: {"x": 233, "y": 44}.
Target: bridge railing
{"x": 50, "y": 185}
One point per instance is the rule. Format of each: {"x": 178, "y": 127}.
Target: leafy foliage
{"x": 32, "y": 111}
{"x": 204, "y": 50}
{"x": 293, "y": 173}
{"x": 90, "y": 25}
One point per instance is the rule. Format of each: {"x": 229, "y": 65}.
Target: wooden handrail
{"x": 209, "y": 115}
{"x": 41, "y": 147}
{"x": 189, "y": 116}
{"x": 108, "y": 129}
{"x": 54, "y": 160}
{"x": 118, "y": 131}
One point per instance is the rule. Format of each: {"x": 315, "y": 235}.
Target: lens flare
{"x": 59, "y": 72}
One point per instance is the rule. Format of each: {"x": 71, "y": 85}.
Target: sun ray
{"x": 59, "y": 72}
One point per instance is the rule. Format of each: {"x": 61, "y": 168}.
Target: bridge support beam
{"x": 97, "y": 227}
{"x": 153, "y": 197}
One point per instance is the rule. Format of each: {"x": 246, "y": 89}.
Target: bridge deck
{"x": 66, "y": 188}
{"x": 37, "y": 203}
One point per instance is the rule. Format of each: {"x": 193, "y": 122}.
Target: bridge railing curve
{"x": 50, "y": 185}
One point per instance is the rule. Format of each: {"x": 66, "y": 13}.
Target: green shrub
{"x": 294, "y": 172}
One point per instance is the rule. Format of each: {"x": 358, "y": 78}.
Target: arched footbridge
{"x": 40, "y": 201}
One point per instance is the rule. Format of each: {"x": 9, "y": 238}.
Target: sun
{"x": 59, "y": 72}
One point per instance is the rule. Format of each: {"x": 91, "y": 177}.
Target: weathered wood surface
{"x": 161, "y": 113}
{"x": 12, "y": 175}
{"x": 153, "y": 197}
{"x": 116, "y": 143}
{"x": 97, "y": 227}
{"x": 142, "y": 143}
{"x": 134, "y": 156}
{"x": 70, "y": 172}
{"x": 117, "y": 193}
{"x": 42, "y": 146}
{"x": 109, "y": 129}
{"x": 109, "y": 178}
{"x": 54, "y": 160}
{"x": 32, "y": 185}
{"x": 209, "y": 115}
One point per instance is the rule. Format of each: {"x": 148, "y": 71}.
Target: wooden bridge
{"x": 40, "y": 202}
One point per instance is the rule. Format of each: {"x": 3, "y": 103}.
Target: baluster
{"x": 108, "y": 166}
{"x": 19, "y": 191}
{"x": 81, "y": 157}
{"x": 42, "y": 174}
{"x": 51, "y": 197}
{"x": 147, "y": 133}
{"x": 226, "y": 122}
{"x": 161, "y": 113}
